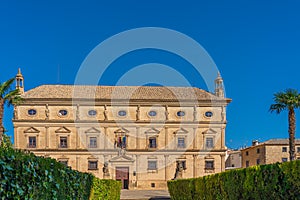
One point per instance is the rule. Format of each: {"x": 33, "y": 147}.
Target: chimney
{"x": 254, "y": 142}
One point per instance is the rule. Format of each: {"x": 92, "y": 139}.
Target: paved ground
{"x": 145, "y": 195}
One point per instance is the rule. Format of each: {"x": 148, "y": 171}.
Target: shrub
{"x": 105, "y": 189}
{"x": 26, "y": 176}
{"x": 274, "y": 181}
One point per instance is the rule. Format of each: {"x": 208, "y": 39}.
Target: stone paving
{"x": 145, "y": 195}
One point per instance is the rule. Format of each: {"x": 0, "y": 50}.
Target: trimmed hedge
{"x": 26, "y": 176}
{"x": 105, "y": 189}
{"x": 274, "y": 181}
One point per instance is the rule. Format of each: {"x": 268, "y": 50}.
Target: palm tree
{"x": 7, "y": 96}
{"x": 288, "y": 100}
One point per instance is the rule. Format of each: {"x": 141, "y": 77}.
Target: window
{"x": 152, "y": 142}
{"x": 65, "y": 162}
{"x": 152, "y": 165}
{"x": 152, "y": 113}
{"x": 284, "y": 149}
{"x": 62, "y": 112}
{"x": 93, "y": 165}
{"x": 284, "y": 159}
{"x": 247, "y": 163}
{"x": 32, "y": 142}
{"x": 247, "y": 153}
{"x": 63, "y": 142}
{"x": 93, "y": 142}
{"x": 92, "y": 113}
{"x": 122, "y": 113}
{"x": 180, "y": 113}
{"x": 208, "y": 114}
{"x": 209, "y": 164}
{"x": 209, "y": 143}
{"x": 31, "y": 112}
{"x": 298, "y": 149}
{"x": 181, "y": 143}
{"x": 257, "y": 161}
{"x": 257, "y": 150}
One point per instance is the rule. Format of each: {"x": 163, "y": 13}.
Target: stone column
{"x": 166, "y": 137}
{"x": 137, "y": 170}
{"x": 78, "y": 163}
{"x": 195, "y": 138}
{"x": 195, "y": 114}
{"x": 78, "y": 135}
{"x": 137, "y": 141}
{"x": 16, "y": 134}
{"x": 105, "y": 138}
{"x": 222, "y": 137}
{"x": 166, "y": 167}
{"x": 194, "y": 166}
{"x": 47, "y": 139}
{"x": 222, "y": 162}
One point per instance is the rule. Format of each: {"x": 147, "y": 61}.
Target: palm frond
{"x": 6, "y": 86}
{"x": 290, "y": 98}
{"x": 13, "y": 97}
{"x": 277, "y": 107}
{"x": 16, "y": 100}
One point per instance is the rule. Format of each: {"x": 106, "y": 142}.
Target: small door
{"x": 122, "y": 174}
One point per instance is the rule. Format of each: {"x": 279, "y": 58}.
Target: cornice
{"x": 168, "y": 122}
{"x": 124, "y": 102}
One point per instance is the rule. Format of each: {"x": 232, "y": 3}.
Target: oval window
{"x": 62, "y": 113}
{"x": 208, "y": 114}
{"x": 180, "y": 113}
{"x": 122, "y": 113}
{"x": 92, "y": 112}
{"x": 32, "y": 112}
{"x": 152, "y": 113}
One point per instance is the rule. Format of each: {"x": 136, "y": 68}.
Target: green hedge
{"x": 26, "y": 176}
{"x": 274, "y": 181}
{"x": 105, "y": 189}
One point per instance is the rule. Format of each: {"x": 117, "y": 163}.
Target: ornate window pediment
{"x": 63, "y": 130}
{"x": 92, "y": 130}
{"x": 121, "y": 158}
{"x": 31, "y": 130}
{"x": 210, "y": 132}
{"x": 152, "y": 131}
{"x": 121, "y": 131}
{"x": 181, "y": 131}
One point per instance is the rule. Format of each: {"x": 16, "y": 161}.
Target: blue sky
{"x": 255, "y": 45}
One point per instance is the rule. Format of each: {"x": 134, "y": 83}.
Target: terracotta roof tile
{"x": 120, "y": 92}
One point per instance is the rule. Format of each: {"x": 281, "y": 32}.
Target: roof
{"x": 274, "y": 142}
{"x": 120, "y": 92}
{"x": 280, "y": 141}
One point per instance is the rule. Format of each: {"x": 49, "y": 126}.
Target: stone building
{"x": 233, "y": 160}
{"x": 143, "y": 136}
{"x": 271, "y": 151}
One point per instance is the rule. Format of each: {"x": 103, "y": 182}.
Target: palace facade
{"x": 141, "y": 135}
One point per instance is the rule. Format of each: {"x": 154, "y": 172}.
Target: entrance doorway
{"x": 122, "y": 174}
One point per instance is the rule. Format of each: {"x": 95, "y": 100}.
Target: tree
{"x": 7, "y": 96}
{"x": 288, "y": 100}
